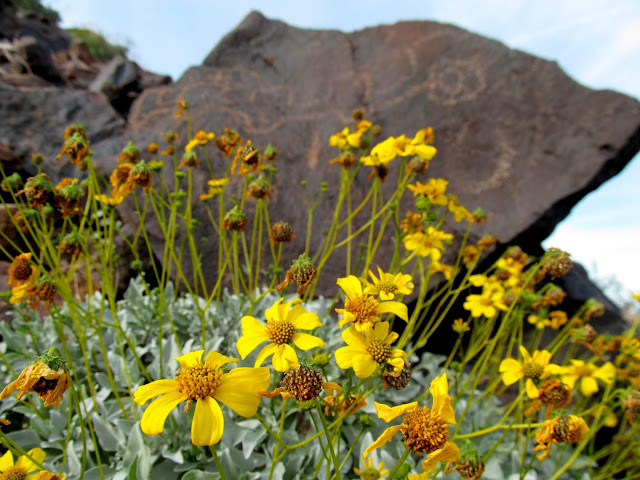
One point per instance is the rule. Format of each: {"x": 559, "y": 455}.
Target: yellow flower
{"x": 459, "y": 212}
{"x": 21, "y": 270}
{"x": 48, "y": 383}
{"x": 369, "y": 472}
{"x": 382, "y": 153}
{"x": 434, "y": 190}
{"x": 366, "y": 351}
{"x": 424, "y": 430}
{"x": 203, "y": 383}
{"x": 23, "y": 467}
{"x": 216, "y": 187}
{"x": 636, "y": 296}
{"x": 283, "y": 319}
{"x": 443, "y": 268}
{"x": 564, "y": 429}
{"x": 536, "y": 367}
{"x": 388, "y": 285}
{"x": 539, "y": 322}
{"x": 48, "y": 476}
{"x": 588, "y": 374}
{"x": 427, "y": 244}
{"x": 459, "y": 326}
{"x": 362, "y": 309}
{"x": 337, "y": 404}
{"x": 200, "y": 138}
{"x": 486, "y": 304}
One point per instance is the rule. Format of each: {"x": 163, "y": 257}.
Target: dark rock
{"x": 515, "y": 134}
{"x": 122, "y": 80}
{"x": 9, "y": 160}
{"x": 38, "y": 59}
{"x": 34, "y": 120}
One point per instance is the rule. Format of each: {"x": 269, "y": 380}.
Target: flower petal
{"x": 239, "y": 389}
{"x": 303, "y": 320}
{"x": 397, "y": 308}
{"x": 153, "y": 418}
{"x": 364, "y": 365}
{"x": 531, "y": 389}
{"x": 190, "y": 359}
{"x": 448, "y": 453}
{"x": 6, "y": 461}
{"x": 353, "y": 338}
{"x": 153, "y": 389}
{"x": 381, "y": 330}
{"x": 351, "y": 286}
{"x": 216, "y": 359}
{"x": 344, "y": 356}
{"x": 253, "y": 334}
{"x": 388, "y": 413}
{"x": 588, "y": 386}
{"x": 208, "y": 423}
{"x": 383, "y": 439}
{"x": 283, "y": 357}
{"x": 29, "y": 466}
{"x": 264, "y": 353}
{"x": 511, "y": 371}
{"x": 304, "y": 341}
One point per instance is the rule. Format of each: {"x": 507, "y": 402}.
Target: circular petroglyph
{"x": 454, "y": 81}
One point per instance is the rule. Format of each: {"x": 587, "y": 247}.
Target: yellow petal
{"x": 29, "y": 466}
{"x": 542, "y": 357}
{"x": 511, "y": 371}
{"x": 364, "y": 365}
{"x": 526, "y": 358}
{"x": 381, "y": 330}
{"x": 588, "y": 386}
{"x": 248, "y": 343}
{"x": 303, "y": 320}
{"x": 353, "y": 338}
{"x": 6, "y": 461}
{"x": 388, "y": 413}
{"x": 251, "y": 327}
{"x": 448, "y": 453}
{"x": 208, "y": 423}
{"x": 273, "y": 312}
{"x": 216, "y": 359}
{"x": 153, "y": 389}
{"x": 531, "y": 389}
{"x": 397, "y": 308}
{"x": 344, "y": 356}
{"x": 190, "y": 359}
{"x": 264, "y": 353}
{"x": 383, "y": 439}
{"x": 239, "y": 389}
{"x": 283, "y": 357}
{"x": 351, "y": 286}
{"x": 606, "y": 372}
{"x": 397, "y": 363}
{"x": 153, "y": 418}
{"x": 439, "y": 389}
{"x": 304, "y": 341}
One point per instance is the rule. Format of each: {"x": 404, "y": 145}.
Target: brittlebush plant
{"x": 310, "y": 383}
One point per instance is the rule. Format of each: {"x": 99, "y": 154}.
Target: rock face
{"x": 514, "y": 133}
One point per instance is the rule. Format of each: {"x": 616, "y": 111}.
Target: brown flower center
{"x": 14, "y": 472}
{"x": 388, "y": 287}
{"x": 199, "y": 381}
{"x": 532, "y": 370}
{"x": 281, "y": 332}
{"x": 424, "y": 431}
{"x": 365, "y": 308}
{"x": 20, "y": 268}
{"x": 379, "y": 350}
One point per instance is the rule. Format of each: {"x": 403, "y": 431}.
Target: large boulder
{"x": 514, "y": 133}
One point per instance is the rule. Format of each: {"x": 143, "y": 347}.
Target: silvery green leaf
{"x": 200, "y": 475}
{"x": 73, "y": 461}
{"x": 251, "y": 439}
{"x": 27, "y": 439}
{"x": 107, "y": 435}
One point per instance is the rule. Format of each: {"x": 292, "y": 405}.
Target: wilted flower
{"x": 235, "y": 220}
{"x": 47, "y": 377}
{"x": 281, "y": 232}
{"x": 302, "y": 272}
{"x": 564, "y": 429}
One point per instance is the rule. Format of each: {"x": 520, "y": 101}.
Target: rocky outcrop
{"x": 514, "y": 133}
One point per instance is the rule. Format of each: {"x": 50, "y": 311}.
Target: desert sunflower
{"x": 205, "y": 383}
{"x": 365, "y": 351}
{"x": 531, "y": 367}
{"x": 388, "y": 285}
{"x": 362, "y": 308}
{"x": 24, "y": 466}
{"x": 283, "y": 321}
{"x": 424, "y": 430}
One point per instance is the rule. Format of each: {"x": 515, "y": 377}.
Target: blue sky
{"x": 596, "y": 42}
